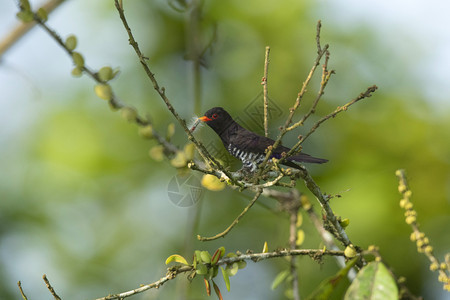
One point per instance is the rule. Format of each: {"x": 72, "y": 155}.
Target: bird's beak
{"x": 205, "y": 119}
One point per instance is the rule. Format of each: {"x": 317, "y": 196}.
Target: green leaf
{"x": 279, "y": 279}
{"x": 71, "y": 42}
{"x": 226, "y": 278}
{"x": 103, "y": 91}
{"x": 42, "y": 14}
{"x": 217, "y": 255}
{"x": 105, "y": 74}
{"x": 201, "y": 269}
{"x": 241, "y": 264}
{"x": 128, "y": 113}
{"x": 232, "y": 269}
{"x": 25, "y": 16}
{"x": 373, "y": 282}
{"x": 327, "y": 286}
{"x": 77, "y": 72}
{"x": 265, "y": 248}
{"x": 78, "y": 59}
{"x": 198, "y": 255}
{"x": 206, "y": 257}
{"x": 216, "y": 289}
{"x": 25, "y": 5}
{"x": 176, "y": 258}
{"x": 146, "y": 131}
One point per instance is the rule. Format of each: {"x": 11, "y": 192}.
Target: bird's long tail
{"x": 303, "y": 157}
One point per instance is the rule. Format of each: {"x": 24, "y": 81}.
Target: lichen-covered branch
{"x": 174, "y": 271}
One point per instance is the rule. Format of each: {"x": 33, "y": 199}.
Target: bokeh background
{"x": 82, "y": 201}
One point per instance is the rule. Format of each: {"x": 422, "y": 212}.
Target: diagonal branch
{"x": 162, "y": 93}
{"x": 50, "y": 288}
{"x": 23, "y": 28}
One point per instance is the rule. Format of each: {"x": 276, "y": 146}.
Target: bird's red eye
{"x": 214, "y": 116}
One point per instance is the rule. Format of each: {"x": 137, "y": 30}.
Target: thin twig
{"x": 174, "y": 271}
{"x": 320, "y": 53}
{"x": 223, "y": 233}
{"x": 50, "y": 288}
{"x": 21, "y": 291}
{"x": 326, "y": 75}
{"x": 23, "y": 28}
{"x": 265, "y": 91}
{"x": 368, "y": 93}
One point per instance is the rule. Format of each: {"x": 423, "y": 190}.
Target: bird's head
{"x": 218, "y": 119}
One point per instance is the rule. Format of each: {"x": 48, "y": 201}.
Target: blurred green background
{"x": 82, "y": 202}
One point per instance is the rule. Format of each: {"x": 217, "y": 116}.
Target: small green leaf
{"x": 176, "y": 258}
{"x": 232, "y": 269}
{"x": 105, "y": 74}
{"x": 202, "y": 269}
{"x": 103, "y": 91}
{"x": 215, "y": 271}
{"x": 206, "y": 257}
{"x": 170, "y": 131}
{"x": 71, "y": 42}
{"x": 231, "y": 254}
{"x": 25, "y": 5}
{"x": 42, "y": 14}
{"x": 216, "y": 289}
{"x": 350, "y": 251}
{"x": 373, "y": 282}
{"x": 279, "y": 279}
{"x": 146, "y": 131}
{"x": 25, "y": 16}
{"x": 78, "y": 59}
{"x": 198, "y": 255}
{"x": 241, "y": 264}
{"x": 226, "y": 278}
{"x": 265, "y": 248}
{"x": 77, "y": 72}
{"x": 115, "y": 72}
{"x": 157, "y": 153}
{"x": 217, "y": 255}
{"x": 128, "y": 113}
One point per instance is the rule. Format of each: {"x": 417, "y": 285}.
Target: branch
{"x": 256, "y": 257}
{"x": 422, "y": 241}
{"x": 368, "y": 93}
{"x": 21, "y": 291}
{"x": 171, "y": 274}
{"x": 338, "y": 232}
{"x": 162, "y": 93}
{"x": 50, "y": 288}
{"x": 23, "y": 28}
{"x": 284, "y": 130}
{"x": 223, "y": 233}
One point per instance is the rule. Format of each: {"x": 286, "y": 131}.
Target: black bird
{"x": 248, "y": 146}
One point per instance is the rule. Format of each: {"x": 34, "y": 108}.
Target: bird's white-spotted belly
{"x": 249, "y": 160}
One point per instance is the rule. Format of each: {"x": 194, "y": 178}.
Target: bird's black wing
{"x": 251, "y": 142}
